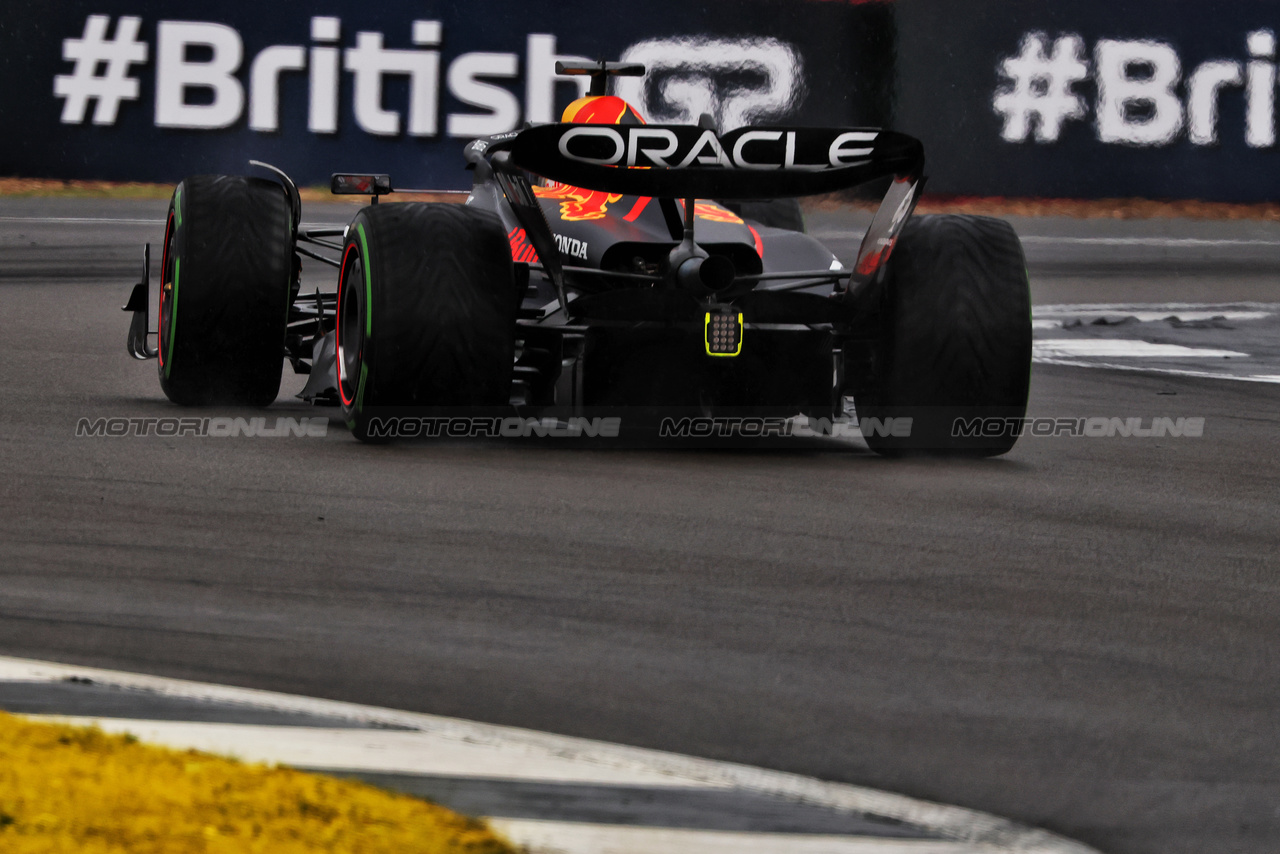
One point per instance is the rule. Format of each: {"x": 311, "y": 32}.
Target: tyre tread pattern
{"x": 957, "y": 334}
{"x": 443, "y": 314}
{"x": 235, "y": 246}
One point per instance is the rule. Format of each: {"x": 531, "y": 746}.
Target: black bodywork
{"x": 638, "y": 290}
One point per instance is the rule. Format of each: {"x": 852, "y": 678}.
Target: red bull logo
{"x": 581, "y": 205}
{"x": 712, "y": 212}
{"x": 577, "y": 204}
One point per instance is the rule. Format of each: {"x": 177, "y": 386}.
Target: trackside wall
{"x": 1087, "y": 99}
{"x": 1093, "y": 98}
{"x": 156, "y": 89}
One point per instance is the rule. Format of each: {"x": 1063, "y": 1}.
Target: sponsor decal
{"x": 577, "y": 204}
{"x": 204, "y": 81}
{"x": 712, "y": 212}
{"x": 522, "y": 251}
{"x": 571, "y": 247}
{"x": 1146, "y": 97}
{"x": 682, "y": 148}
{"x": 581, "y": 205}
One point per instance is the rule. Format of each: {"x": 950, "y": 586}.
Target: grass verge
{"x": 1074, "y": 208}
{"x": 65, "y": 788}
{"x": 1100, "y": 208}
{"x": 58, "y": 189}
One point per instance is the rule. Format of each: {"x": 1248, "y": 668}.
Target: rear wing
{"x": 681, "y": 161}
{"x": 689, "y": 162}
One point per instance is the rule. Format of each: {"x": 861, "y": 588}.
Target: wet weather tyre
{"x": 426, "y": 315}
{"x": 226, "y": 276}
{"x": 954, "y": 350}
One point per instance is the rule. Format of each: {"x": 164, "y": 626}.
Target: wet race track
{"x": 1080, "y": 635}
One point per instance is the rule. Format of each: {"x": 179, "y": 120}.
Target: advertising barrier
{"x": 1011, "y": 97}
{"x": 1094, "y": 98}
{"x": 152, "y": 90}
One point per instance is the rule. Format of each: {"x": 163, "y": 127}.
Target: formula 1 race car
{"x": 602, "y": 264}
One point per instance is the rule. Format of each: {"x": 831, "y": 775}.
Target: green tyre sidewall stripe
{"x": 357, "y": 407}
{"x": 368, "y": 283}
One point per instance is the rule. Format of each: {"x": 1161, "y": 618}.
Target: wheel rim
{"x": 350, "y": 331}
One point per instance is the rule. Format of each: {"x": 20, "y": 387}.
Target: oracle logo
{"x": 684, "y": 148}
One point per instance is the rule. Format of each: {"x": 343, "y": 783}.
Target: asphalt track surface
{"x": 1081, "y": 635}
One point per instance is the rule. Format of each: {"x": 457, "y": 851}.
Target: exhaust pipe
{"x": 708, "y": 274}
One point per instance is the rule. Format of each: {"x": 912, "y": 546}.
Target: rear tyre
{"x": 226, "y": 275}
{"x": 954, "y": 350}
{"x": 426, "y": 313}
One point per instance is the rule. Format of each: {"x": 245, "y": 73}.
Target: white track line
{"x": 581, "y": 838}
{"x": 954, "y": 824}
{"x": 1167, "y": 242}
{"x": 1051, "y": 240}
{"x": 1168, "y": 307}
{"x": 381, "y": 751}
{"x": 1149, "y": 369}
{"x": 1053, "y": 348}
{"x": 82, "y": 220}
{"x": 398, "y": 752}
{"x": 1054, "y": 316}
{"x": 1040, "y": 321}
{"x": 1072, "y": 352}
{"x": 159, "y": 221}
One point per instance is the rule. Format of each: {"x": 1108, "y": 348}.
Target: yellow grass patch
{"x": 75, "y": 789}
